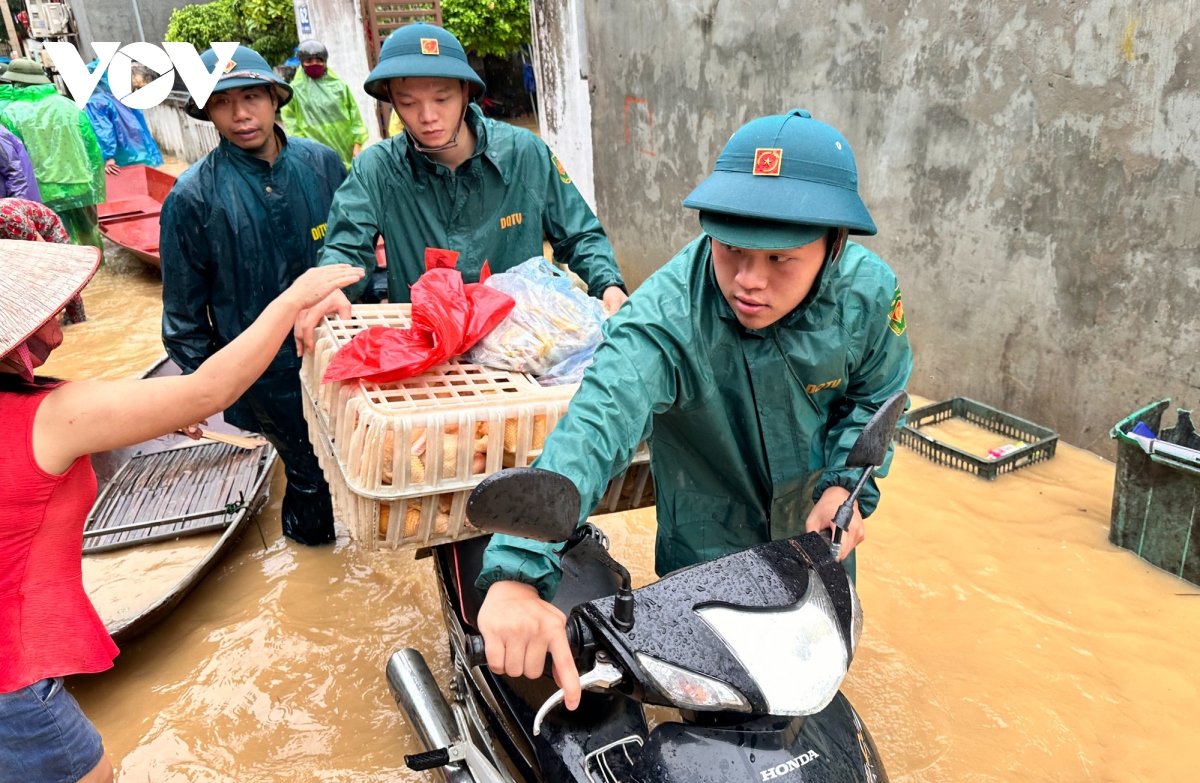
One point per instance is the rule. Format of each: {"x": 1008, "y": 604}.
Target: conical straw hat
{"x": 37, "y": 279}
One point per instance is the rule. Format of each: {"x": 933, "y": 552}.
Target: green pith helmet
{"x": 781, "y": 182}
{"x": 421, "y": 50}
{"x": 247, "y": 68}
{"x": 23, "y": 71}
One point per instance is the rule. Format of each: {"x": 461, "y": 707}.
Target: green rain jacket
{"x": 324, "y": 110}
{"x": 66, "y": 157}
{"x": 236, "y": 232}
{"x": 746, "y": 428}
{"x": 498, "y": 206}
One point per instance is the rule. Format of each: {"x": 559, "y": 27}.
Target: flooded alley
{"x": 1005, "y": 638}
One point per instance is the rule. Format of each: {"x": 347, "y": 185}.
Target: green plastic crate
{"x": 1040, "y": 441}
{"x": 1156, "y": 495}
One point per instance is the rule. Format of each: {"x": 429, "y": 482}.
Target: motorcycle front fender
{"x": 832, "y": 746}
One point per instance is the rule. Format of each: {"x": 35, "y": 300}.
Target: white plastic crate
{"x": 439, "y": 518}
{"x": 422, "y": 521}
{"x": 443, "y": 430}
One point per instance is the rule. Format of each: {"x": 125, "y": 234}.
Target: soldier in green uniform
{"x": 240, "y": 226}
{"x": 751, "y": 362}
{"x": 455, "y": 180}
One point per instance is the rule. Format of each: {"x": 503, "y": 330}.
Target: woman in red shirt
{"x": 48, "y": 429}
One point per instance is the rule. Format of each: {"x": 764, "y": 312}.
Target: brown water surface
{"x": 122, "y": 336}
{"x": 1005, "y": 640}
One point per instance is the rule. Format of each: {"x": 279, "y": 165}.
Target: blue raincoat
{"x": 121, "y": 131}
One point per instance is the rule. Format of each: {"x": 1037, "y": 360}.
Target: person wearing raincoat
{"x": 751, "y": 362}
{"x": 238, "y": 228}
{"x": 322, "y": 107}
{"x": 66, "y": 156}
{"x": 122, "y": 132}
{"x": 16, "y": 169}
{"x": 455, "y": 180}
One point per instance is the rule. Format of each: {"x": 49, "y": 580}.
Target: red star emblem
{"x": 429, "y": 46}
{"x": 767, "y": 162}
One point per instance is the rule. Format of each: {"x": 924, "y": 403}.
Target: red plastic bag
{"x": 447, "y": 319}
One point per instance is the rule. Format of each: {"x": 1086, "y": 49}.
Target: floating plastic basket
{"x": 1040, "y": 441}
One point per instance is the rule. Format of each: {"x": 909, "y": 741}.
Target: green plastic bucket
{"x": 1156, "y": 495}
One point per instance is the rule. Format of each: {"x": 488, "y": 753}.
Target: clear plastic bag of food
{"x": 550, "y": 323}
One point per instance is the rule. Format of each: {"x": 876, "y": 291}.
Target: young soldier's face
{"x": 763, "y": 286}
{"x": 245, "y": 116}
{"x": 430, "y": 108}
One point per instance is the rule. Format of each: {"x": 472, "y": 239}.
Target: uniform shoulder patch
{"x": 896, "y": 315}
{"x": 562, "y": 172}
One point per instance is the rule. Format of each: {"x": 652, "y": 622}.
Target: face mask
{"x": 315, "y": 71}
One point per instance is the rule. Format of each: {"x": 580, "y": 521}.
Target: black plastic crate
{"x": 1040, "y": 441}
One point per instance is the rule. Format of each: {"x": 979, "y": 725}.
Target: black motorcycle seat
{"x": 584, "y": 578}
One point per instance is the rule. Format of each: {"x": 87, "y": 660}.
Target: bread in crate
{"x": 445, "y": 429}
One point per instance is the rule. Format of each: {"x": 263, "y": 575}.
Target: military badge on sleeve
{"x": 562, "y": 172}
{"x": 896, "y": 316}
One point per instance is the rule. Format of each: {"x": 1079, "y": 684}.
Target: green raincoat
{"x": 497, "y": 207}
{"x": 324, "y": 110}
{"x": 746, "y": 428}
{"x": 66, "y": 157}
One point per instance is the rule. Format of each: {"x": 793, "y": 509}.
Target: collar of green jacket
{"x": 479, "y": 126}
{"x": 805, "y": 315}
{"x": 30, "y": 92}
{"x": 248, "y": 162}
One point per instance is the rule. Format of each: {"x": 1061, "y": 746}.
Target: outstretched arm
{"x": 85, "y": 417}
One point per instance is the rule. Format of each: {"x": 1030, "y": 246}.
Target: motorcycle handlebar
{"x": 476, "y": 652}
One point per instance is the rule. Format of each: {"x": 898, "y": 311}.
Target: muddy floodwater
{"x": 1005, "y": 638}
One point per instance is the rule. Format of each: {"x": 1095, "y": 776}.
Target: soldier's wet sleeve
{"x": 352, "y": 228}
{"x": 575, "y": 233}
{"x": 187, "y": 332}
{"x": 883, "y": 368}
{"x": 636, "y": 374}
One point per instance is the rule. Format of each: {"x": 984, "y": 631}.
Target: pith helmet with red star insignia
{"x": 781, "y": 182}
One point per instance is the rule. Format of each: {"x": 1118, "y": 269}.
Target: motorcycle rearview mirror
{"x": 868, "y": 452}
{"x": 526, "y": 502}
{"x": 872, "y": 445}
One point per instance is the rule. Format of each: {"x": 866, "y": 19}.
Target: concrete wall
{"x": 1032, "y": 167}
{"x": 116, "y": 20}
{"x": 339, "y": 25}
{"x": 564, "y": 101}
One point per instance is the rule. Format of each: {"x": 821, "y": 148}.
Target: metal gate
{"x": 384, "y": 16}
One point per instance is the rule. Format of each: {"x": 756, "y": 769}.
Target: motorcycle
{"x": 750, "y": 648}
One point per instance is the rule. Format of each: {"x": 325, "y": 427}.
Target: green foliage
{"x": 494, "y": 27}
{"x": 266, "y": 26}
{"x": 200, "y": 25}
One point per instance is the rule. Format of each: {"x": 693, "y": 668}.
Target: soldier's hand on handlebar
{"x": 519, "y": 628}
{"x": 821, "y": 518}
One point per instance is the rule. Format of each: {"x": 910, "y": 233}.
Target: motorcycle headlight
{"x": 796, "y": 655}
{"x": 691, "y": 691}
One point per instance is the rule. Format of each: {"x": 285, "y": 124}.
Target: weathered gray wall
{"x": 114, "y": 20}
{"x": 1032, "y": 167}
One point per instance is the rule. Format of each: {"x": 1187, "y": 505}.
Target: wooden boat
{"x": 166, "y": 516}
{"x": 130, "y": 215}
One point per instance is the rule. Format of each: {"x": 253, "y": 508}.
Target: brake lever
{"x": 600, "y": 678}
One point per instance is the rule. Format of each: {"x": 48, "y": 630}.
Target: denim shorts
{"x": 45, "y": 737}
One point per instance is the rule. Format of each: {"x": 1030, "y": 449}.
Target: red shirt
{"x": 48, "y": 627}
